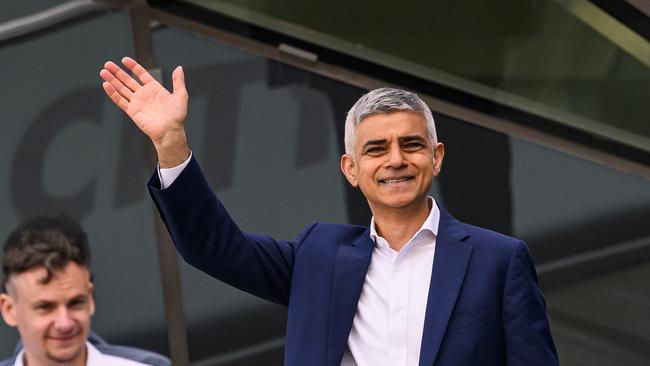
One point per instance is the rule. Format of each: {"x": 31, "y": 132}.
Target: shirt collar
{"x": 93, "y": 356}
{"x": 19, "y": 358}
{"x": 430, "y": 224}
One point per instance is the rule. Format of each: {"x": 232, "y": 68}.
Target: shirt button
{"x": 398, "y": 308}
{"x": 401, "y": 269}
{"x": 397, "y": 356}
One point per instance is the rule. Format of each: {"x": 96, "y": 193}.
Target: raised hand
{"x": 157, "y": 112}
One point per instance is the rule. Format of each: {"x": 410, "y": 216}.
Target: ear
{"x": 438, "y": 156}
{"x": 8, "y": 309}
{"x": 91, "y": 298}
{"x": 348, "y": 169}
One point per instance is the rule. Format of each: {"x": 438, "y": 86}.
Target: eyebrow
{"x": 40, "y": 303}
{"x": 412, "y": 138}
{"x": 402, "y": 140}
{"x": 369, "y": 143}
{"x": 48, "y": 302}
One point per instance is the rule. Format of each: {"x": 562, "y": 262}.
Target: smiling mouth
{"x": 395, "y": 180}
{"x": 64, "y": 338}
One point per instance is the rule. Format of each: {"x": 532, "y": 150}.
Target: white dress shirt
{"x": 167, "y": 176}
{"x": 94, "y": 358}
{"x": 387, "y": 327}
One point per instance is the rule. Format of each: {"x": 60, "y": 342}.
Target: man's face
{"x": 53, "y": 319}
{"x": 394, "y": 162}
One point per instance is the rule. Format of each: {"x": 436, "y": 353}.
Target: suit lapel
{"x": 449, "y": 266}
{"x": 350, "y": 270}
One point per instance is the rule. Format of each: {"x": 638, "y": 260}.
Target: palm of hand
{"x": 157, "y": 111}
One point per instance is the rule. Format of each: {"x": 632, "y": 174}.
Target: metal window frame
{"x": 345, "y": 75}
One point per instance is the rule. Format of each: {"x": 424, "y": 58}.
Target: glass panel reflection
{"x": 566, "y": 60}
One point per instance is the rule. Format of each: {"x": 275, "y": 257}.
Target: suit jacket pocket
{"x": 472, "y": 318}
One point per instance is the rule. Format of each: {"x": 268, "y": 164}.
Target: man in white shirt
{"x": 47, "y": 294}
{"x": 416, "y": 288}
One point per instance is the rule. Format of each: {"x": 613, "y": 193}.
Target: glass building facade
{"x": 270, "y": 83}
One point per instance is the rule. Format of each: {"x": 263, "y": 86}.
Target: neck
{"x": 397, "y": 226}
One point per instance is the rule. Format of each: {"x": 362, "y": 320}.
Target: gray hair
{"x": 385, "y": 100}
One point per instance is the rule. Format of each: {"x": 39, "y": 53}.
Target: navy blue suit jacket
{"x": 484, "y": 305}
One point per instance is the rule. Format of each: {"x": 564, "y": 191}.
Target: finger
{"x": 178, "y": 81}
{"x": 106, "y": 75}
{"x": 116, "y": 84}
{"x": 122, "y": 76}
{"x": 122, "y": 103}
{"x": 139, "y": 71}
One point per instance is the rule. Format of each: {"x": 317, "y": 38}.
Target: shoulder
{"x": 337, "y": 232}
{"x": 16, "y": 357}
{"x": 112, "y": 355}
{"x": 109, "y": 360}
{"x": 490, "y": 244}
{"x": 479, "y": 238}
{"x": 326, "y": 237}
{"x": 491, "y": 238}
{"x": 8, "y": 362}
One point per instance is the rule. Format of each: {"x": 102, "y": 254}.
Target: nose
{"x": 63, "y": 323}
{"x": 395, "y": 158}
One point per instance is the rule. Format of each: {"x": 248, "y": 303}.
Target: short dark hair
{"x": 48, "y": 241}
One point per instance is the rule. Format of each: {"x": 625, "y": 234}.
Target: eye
{"x": 44, "y": 307}
{"x": 77, "y": 303}
{"x": 413, "y": 146}
{"x": 375, "y": 150}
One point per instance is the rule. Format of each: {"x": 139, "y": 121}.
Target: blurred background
{"x": 542, "y": 106}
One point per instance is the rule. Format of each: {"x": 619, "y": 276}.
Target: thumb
{"x": 178, "y": 80}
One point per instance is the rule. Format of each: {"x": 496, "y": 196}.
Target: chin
{"x": 399, "y": 202}
{"x": 67, "y": 354}
{"x": 64, "y": 357}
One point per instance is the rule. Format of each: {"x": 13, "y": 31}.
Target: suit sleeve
{"x": 527, "y": 332}
{"x": 207, "y": 238}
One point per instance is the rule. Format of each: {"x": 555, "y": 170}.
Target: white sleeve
{"x": 167, "y": 176}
